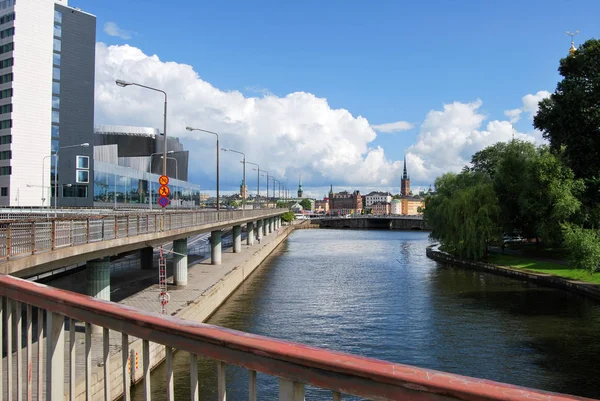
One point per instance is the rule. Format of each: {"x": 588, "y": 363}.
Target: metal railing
{"x": 295, "y": 365}
{"x": 29, "y": 237}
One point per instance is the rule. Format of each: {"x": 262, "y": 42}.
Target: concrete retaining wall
{"x": 579, "y": 287}
{"x": 198, "y": 310}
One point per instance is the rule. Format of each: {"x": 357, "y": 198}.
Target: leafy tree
{"x": 584, "y": 247}
{"x": 288, "y": 216}
{"x": 306, "y": 205}
{"x": 487, "y": 160}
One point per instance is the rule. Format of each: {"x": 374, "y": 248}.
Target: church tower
{"x": 405, "y": 182}
{"x": 331, "y": 198}
{"x": 300, "y": 191}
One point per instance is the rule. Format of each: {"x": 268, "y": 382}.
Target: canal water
{"x": 376, "y": 294}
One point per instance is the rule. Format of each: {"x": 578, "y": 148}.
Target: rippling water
{"x": 376, "y": 294}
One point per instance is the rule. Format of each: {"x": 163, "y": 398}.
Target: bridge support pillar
{"x": 265, "y": 231}
{"x": 215, "y": 247}
{"x": 259, "y": 228}
{"x": 180, "y": 262}
{"x": 237, "y": 239}
{"x": 250, "y": 233}
{"x": 270, "y": 225}
{"x": 98, "y": 282}
{"x": 147, "y": 258}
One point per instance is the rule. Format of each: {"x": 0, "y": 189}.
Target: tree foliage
{"x": 306, "y": 205}
{"x": 584, "y": 247}
{"x": 288, "y": 216}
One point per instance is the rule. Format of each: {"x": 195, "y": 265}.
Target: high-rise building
{"x": 405, "y": 182}
{"x": 47, "y": 57}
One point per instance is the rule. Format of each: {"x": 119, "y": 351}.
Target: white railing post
{"x": 169, "y": 373}
{"x": 55, "y": 356}
{"x": 126, "y": 367}
{"x": 194, "y": 393}
{"x": 19, "y": 344}
{"x": 252, "y": 385}
{"x": 146, "y": 351}
{"x": 290, "y": 390}
{"x": 72, "y": 359}
{"x": 221, "y": 384}
{"x": 88, "y": 361}
{"x": 29, "y": 350}
{"x": 40, "y": 352}
{"x": 9, "y": 348}
{"x": 106, "y": 355}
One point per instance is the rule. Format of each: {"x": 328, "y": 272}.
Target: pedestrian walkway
{"x": 184, "y": 302}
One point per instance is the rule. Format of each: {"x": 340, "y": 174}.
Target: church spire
{"x": 300, "y": 191}
{"x": 405, "y": 173}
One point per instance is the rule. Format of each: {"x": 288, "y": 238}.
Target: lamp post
{"x": 267, "y": 175}
{"x": 44, "y": 179}
{"x": 244, "y": 186}
{"x": 123, "y": 84}
{"x": 81, "y": 145}
{"x": 150, "y": 171}
{"x": 217, "y": 135}
{"x": 258, "y": 184}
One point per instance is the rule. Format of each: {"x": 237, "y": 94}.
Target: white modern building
{"x": 373, "y": 197}
{"x": 47, "y": 57}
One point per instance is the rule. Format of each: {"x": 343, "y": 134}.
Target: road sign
{"x": 163, "y": 201}
{"x": 163, "y": 180}
{"x": 164, "y": 191}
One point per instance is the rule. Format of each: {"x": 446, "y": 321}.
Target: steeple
{"x": 573, "y": 49}
{"x": 300, "y": 191}
{"x": 405, "y": 181}
{"x": 405, "y": 173}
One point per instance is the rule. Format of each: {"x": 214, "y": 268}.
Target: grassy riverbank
{"x": 540, "y": 266}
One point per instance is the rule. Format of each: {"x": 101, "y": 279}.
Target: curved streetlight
{"x": 217, "y": 135}
{"x": 81, "y": 145}
{"x": 123, "y": 84}
{"x": 244, "y": 186}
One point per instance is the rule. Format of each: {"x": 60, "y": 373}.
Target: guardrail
{"x": 29, "y": 237}
{"x": 294, "y": 364}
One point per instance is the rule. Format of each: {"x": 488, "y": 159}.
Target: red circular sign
{"x": 163, "y": 180}
{"x": 164, "y": 191}
{"x": 162, "y": 201}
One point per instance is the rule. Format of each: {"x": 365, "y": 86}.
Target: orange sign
{"x": 164, "y": 191}
{"x": 163, "y": 180}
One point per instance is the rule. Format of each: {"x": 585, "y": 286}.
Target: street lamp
{"x": 123, "y": 84}
{"x": 217, "y": 135}
{"x": 258, "y": 184}
{"x": 244, "y": 186}
{"x": 81, "y": 145}
{"x": 267, "y": 175}
{"x": 44, "y": 179}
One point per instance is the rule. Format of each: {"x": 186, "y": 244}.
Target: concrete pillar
{"x": 259, "y": 228}
{"x": 237, "y": 239}
{"x": 215, "y": 247}
{"x": 98, "y": 278}
{"x": 147, "y": 258}
{"x": 270, "y": 225}
{"x": 180, "y": 262}
{"x": 265, "y": 231}
{"x": 250, "y": 233}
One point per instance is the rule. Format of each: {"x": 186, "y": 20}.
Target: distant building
{"x": 296, "y": 208}
{"x": 243, "y": 190}
{"x": 407, "y": 204}
{"x": 345, "y": 202}
{"x": 411, "y": 205}
{"x": 380, "y": 208}
{"x": 405, "y": 182}
{"x": 396, "y": 207}
{"x": 322, "y": 206}
{"x": 376, "y": 196}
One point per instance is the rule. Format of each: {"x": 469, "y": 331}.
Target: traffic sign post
{"x": 163, "y": 202}
{"x": 163, "y": 191}
{"x": 163, "y": 180}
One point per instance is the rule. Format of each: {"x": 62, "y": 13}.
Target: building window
{"x": 4, "y": 4}
{"x": 5, "y": 139}
{"x": 75, "y": 191}
{"x": 7, "y": 108}
{"x": 6, "y": 78}
{"x": 6, "y": 63}
{"x": 55, "y": 131}
{"x": 6, "y": 124}
{"x": 8, "y": 32}
{"x": 9, "y": 47}
{"x": 6, "y": 170}
{"x": 54, "y": 146}
{"x": 6, "y": 93}
{"x": 83, "y": 177}
{"x": 83, "y": 162}
{"x": 57, "y": 45}
{"x": 4, "y": 191}
{"x": 6, "y": 155}
{"x": 57, "y": 30}
{"x": 56, "y": 88}
{"x": 56, "y": 74}
{"x": 55, "y": 102}
{"x": 7, "y": 18}
{"x": 56, "y": 59}
{"x": 57, "y": 16}
{"x": 55, "y": 116}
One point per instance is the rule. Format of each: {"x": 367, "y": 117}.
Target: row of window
{"x": 5, "y": 139}
{"x": 7, "y": 108}
{"x": 9, "y": 47}
{"x": 4, "y": 4}
{"x": 7, "y": 18}
{"x": 54, "y": 139}
{"x": 5, "y": 124}
{"x": 6, "y": 63}
{"x": 6, "y": 93}
{"x": 6, "y": 170}
{"x": 6, "y": 155}
{"x": 6, "y": 78}
{"x": 7, "y": 32}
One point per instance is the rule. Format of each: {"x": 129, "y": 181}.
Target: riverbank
{"x": 208, "y": 287}
{"x": 587, "y": 289}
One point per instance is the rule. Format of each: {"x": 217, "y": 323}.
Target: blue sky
{"x": 386, "y": 61}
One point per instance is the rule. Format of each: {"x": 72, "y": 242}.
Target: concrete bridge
{"x": 373, "y": 222}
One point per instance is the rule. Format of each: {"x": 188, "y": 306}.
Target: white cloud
{"x": 448, "y": 138}
{"x": 112, "y": 29}
{"x": 397, "y": 126}
{"x": 530, "y": 106}
{"x": 285, "y": 135}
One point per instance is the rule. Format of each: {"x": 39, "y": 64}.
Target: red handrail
{"x": 337, "y": 371}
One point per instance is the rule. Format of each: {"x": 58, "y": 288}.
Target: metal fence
{"x": 29, "y": 342}
{"x": 29, "y": 237}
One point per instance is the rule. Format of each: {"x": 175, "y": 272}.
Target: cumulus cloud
{"x": 397, "y": 126}
{"x": 299, "y": 132}
{"x": 448, "y": 138}
{"x": 112, "y": 29}
{"x": 530, "y": 106}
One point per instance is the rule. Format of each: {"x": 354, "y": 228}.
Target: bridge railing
{"x": 295, "y": 365}
{"x": 28, "y": 237}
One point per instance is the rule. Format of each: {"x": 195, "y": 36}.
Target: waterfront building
{"x": 396, "y": 207}
{"x": 377, "y": 196}
{"x": 322, "y": 206}
{"x": 47, "y": 60}
{"x": 345, "y": 202}
{"x": 380, "y": 208}
{"x": 128, "y": 163}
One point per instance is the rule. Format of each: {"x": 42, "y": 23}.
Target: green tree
{"x": 306, "y": 205}
{"x": 584, "y": 247}
{"x": 570, "y": 120}
{"x": 288, "y": 216}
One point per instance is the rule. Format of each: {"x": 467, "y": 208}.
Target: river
{"x": 376, "y": 294}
